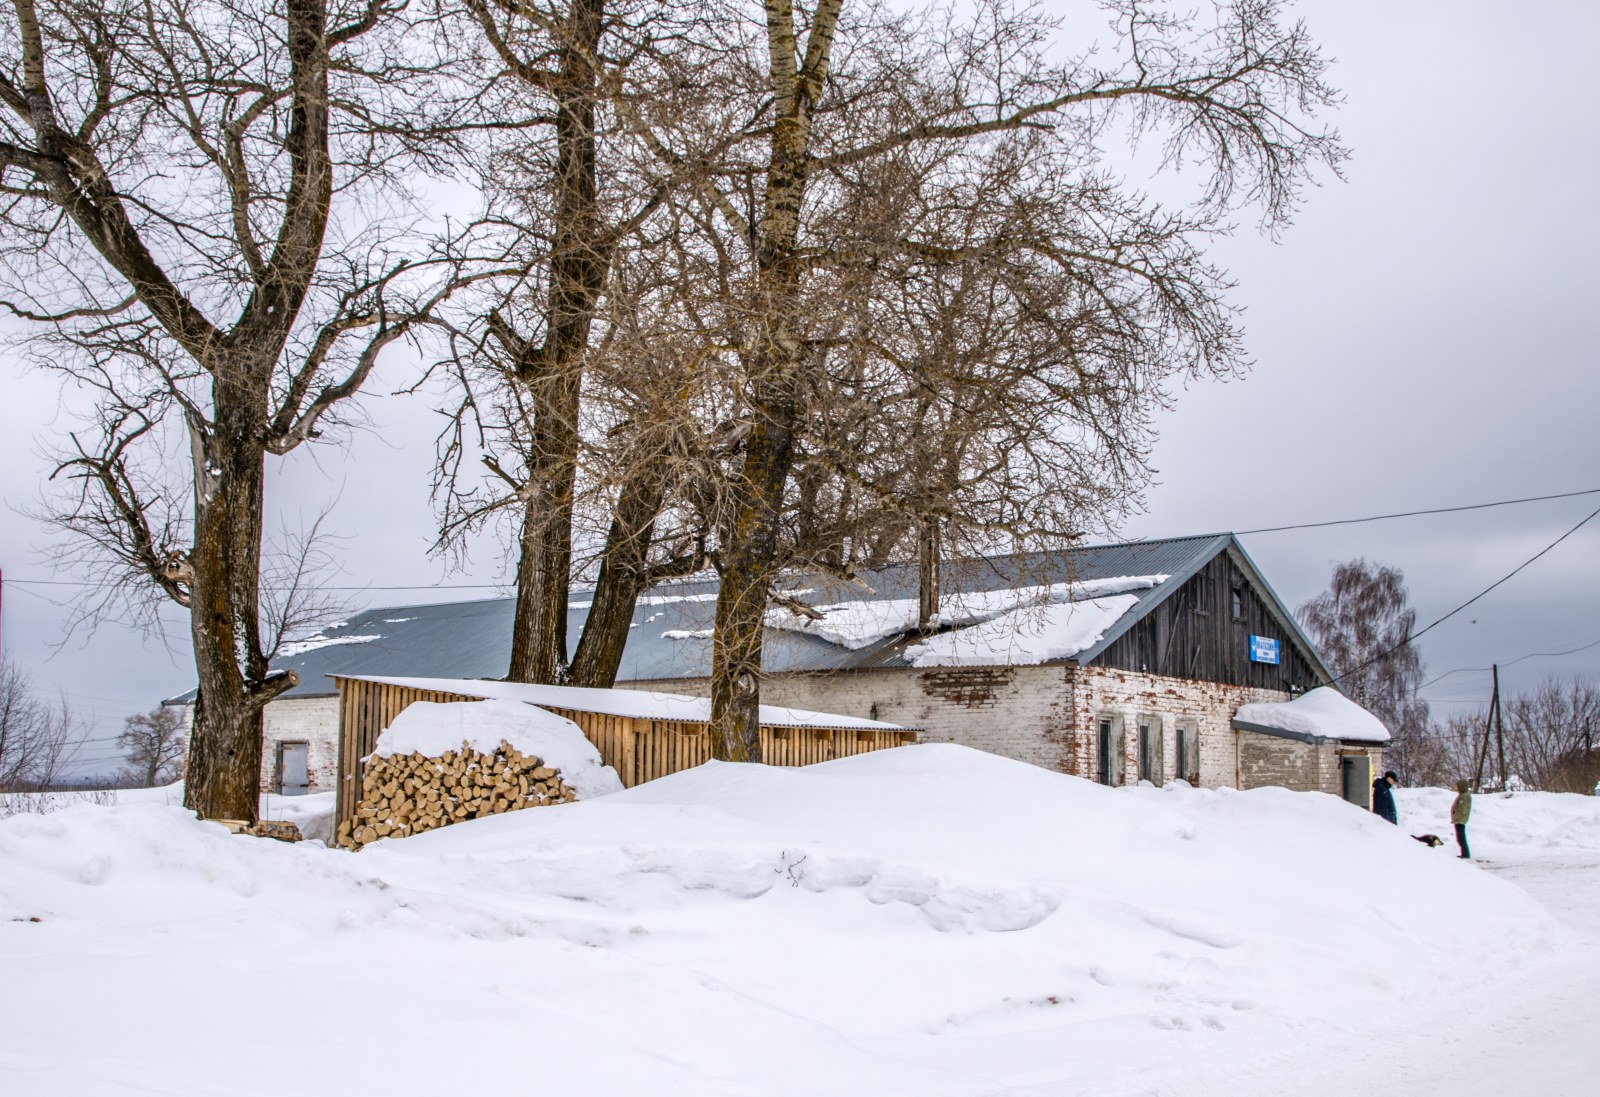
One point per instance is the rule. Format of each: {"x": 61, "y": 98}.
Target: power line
{"x": 1511, "y": 663}
{"x": 1414, "y": 637}
{"x": 319, "y": 586}
{"x": 1417, "y": 513}
{"x": 1241, "y": 533}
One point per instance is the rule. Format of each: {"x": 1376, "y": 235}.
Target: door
{"x": 1355, "y": 772}
{"x": 294, "y": 775}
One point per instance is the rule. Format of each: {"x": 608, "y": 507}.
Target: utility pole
{"x": 1499, "y": 730}
{"x": 1488, "y": 726}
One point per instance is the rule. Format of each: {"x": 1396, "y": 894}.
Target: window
{"x": 1151, "y": 763}
{"x": 1238, "y": 603}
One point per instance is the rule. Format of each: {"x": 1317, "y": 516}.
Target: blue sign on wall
{"x": 1263, "y": 650}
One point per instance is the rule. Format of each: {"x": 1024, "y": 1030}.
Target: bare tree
{"x": 870, "y": 146}
{"x": 573, "y": 194}
{"x": 1550, "y": 733}
{"x": 1362, "y": 626}
{"x": 154, "y": 745}
{"x": 295, "y": 600}
{"x": 172, "y": 170}
{"x": 37, "y": 741}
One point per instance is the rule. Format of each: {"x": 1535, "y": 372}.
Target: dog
{"x": 1429, "y": 840}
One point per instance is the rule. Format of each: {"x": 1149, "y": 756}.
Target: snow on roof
{"x": 300, "y": 647}
{"x": 1024, "y": 637}
{"x": 862, "y": 622}
{"x": 638, "y": 704}
{"x": 1323, "y": 712}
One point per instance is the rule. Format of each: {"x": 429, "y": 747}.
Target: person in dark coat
{"x": 1383, "y": 797}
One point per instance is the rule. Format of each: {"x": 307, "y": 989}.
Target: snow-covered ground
{"x": 928, "y": 920}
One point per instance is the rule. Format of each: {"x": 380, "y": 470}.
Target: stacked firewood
{"x": 410, "y": 793}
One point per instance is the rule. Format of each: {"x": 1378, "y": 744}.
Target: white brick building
{"x": 1116, "y": 663}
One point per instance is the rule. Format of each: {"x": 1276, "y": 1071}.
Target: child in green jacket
{"x": 1460, "y": 812}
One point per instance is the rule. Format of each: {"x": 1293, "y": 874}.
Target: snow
{"x": 432, "y": 728}
{"x": 639, "y": 704}
{"x": 1024, "y": 637}
{"x": 1323, "y": 712}
{"x": 662, "y": 599}
{"x": 925, "y": 921}
{"x": 313, "y": 814}
{"x": 860, "y": 623}
{"x": 300, "y": 647}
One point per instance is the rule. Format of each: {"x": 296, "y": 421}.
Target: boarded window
{"x": 1109, "y": 747}
{"x": 1189, "y": 753}
{"x": 1151, "y": 763}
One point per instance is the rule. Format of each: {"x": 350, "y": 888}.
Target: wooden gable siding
{"x": 1194, "y": 634}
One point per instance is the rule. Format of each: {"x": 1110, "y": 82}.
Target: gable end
{"x": 1198, "y": 632}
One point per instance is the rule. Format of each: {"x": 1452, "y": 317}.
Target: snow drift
{"x": 927, "y": 920}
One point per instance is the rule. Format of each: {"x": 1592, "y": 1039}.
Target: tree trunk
{"x": 624, "y": 575}
{"x": 748, "y": 562}
{"x": 553, "y": 372}
{"x": 927, "y": 574}
{"x": 748, "y": 558}
{"x": 539, "y": 625}
{"x": 224, "y": 772}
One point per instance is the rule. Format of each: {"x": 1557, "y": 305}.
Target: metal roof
{"x": 671, "y": 630}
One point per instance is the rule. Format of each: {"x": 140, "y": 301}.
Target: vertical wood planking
{"x": 638, "y": 749}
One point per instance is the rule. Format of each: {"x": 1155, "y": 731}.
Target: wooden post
{"x": 1488, "y": 726}
{"x": 1499, "y": 730}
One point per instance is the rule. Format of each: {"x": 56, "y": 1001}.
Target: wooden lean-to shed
{"x": 641, "y": 734}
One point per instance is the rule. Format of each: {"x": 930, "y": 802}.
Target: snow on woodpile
{"x": 862, "y": 622}
{"x": 430, "y": 728}
{"x": 444, "y": 763}
{"x": 1323, "y": 712}
{"x": 930, "y": 921}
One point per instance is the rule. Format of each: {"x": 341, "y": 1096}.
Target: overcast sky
{"x": 1423, "y": 337}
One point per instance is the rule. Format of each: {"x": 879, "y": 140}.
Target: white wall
{"x": 1046, "y": 716}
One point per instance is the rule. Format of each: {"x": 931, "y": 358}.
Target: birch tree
{"x": 1362, "y": 625}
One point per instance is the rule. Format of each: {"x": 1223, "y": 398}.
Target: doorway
{"x": 1355, "y": 779}
{"x": 294, "y": 772}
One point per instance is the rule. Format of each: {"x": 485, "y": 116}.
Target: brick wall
{"x": 310, "y": 720}
{"x": 1019, "y": 712}
{"x": 1132, "y": 697}
{"x": 1049, "y": 717}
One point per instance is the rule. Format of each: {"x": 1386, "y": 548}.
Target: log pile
{"x": 411, "y": 793}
